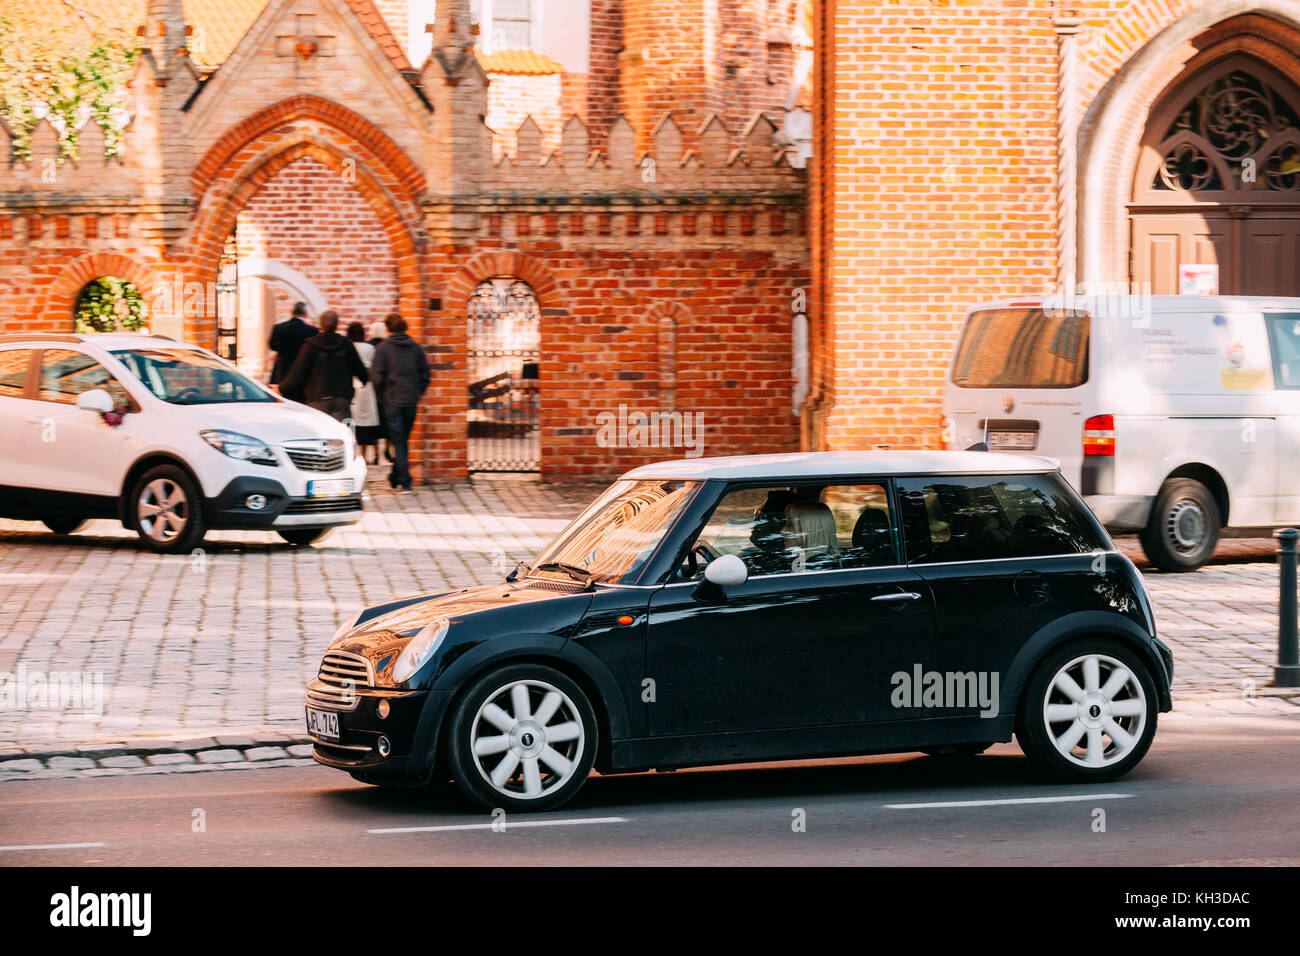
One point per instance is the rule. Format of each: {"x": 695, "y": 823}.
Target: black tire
{"x": 1183, "y": 529}
{"x": 303, "y": 537}
{"x": 167, "y": 537}
{"x": 65, "y": 525}
{"x": 956, "y": 751}
{"x": 1038, "y": 737}
{"x": 556, "y": 788}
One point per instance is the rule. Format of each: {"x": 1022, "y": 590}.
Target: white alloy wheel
{"x": 527, "y": 739}
{"x": 163, "y": 510}
{"x": 1095, "y": 711}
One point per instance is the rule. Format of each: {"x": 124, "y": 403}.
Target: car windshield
{"x": 190, "y": 377}
{"x": 613, "y": 539}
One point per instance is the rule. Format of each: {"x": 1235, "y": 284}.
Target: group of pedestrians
{"x": 374, "y": 378}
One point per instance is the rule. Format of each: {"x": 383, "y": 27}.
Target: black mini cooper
{"x": 714, "y": 611}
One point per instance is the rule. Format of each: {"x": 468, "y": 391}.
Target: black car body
{"x": 723, "y": 610}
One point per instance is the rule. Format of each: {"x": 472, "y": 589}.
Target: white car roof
{"x": 835, "y": 464}
{"x": 103, "y": 340}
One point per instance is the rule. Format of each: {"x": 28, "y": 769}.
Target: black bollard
{"x": 1287, "y": 672}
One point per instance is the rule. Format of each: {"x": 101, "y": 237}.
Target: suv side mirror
{"x": 95, "y": 400}
{"x": 726, "y": 571}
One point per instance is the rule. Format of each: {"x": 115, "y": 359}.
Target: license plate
{"x": 1020, "y": 441}
{"x": 323, "y": 723}
{"x": 329, "y": 486}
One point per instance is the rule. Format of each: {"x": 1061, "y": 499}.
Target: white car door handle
{"x": 900, "y": 596}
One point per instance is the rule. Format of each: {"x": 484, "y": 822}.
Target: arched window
{"x": 109, "y": 304}
{"x": 1216, "y": 195}
{"x": 504, "y": 338}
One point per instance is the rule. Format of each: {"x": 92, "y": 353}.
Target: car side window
{"x": 65, "y": 374}
{"x": 789, "y": 529}
{"x": 1284, "y": 336}
{"x": 981, "y": 518}
{"x": 13, "y": 372}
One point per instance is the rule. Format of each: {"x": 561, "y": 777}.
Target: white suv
{"x": 168, "y": 439}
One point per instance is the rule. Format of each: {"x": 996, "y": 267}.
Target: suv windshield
{"x": 190, "y": 377}
{"x": 614, "y": 538}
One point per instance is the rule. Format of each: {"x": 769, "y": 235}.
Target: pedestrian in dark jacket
{"x": 286, "y": 339}
{"x": 323, "y": 372}
{"x": 400, "y": 372}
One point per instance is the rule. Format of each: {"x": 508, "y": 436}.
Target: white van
{"x": 1174, "y": 416}
{"x": 167, "y": 438}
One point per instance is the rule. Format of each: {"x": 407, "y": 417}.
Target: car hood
{"x": 511, "y": 606}
{"x": 272, "y": 423}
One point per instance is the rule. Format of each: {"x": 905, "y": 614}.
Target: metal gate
{"x": 503, "y": 417}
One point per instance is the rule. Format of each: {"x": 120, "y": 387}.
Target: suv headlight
{"x": 419, "y": 649}
{"x": 239, "y": 446}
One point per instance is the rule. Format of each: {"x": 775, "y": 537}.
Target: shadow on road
{"x": 874, "y": 779}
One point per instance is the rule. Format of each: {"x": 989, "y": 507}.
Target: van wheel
{"x": 1184, "y": 526}
{"x": 302, "y": 537}
{"x": 167, "y": 511}
{"x": 1088, "y": 713}
{"x": 65, "y": 525}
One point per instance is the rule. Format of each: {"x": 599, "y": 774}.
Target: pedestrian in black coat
{"x": 400, "y": 372}
{"x": 286, "y": 339}
{"x": 323, "y": 372}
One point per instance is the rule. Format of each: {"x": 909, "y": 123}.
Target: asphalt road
{"x": 1213, "y": 790}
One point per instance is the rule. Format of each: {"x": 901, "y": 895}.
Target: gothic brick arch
{"x": 61, "y": 299}
{"x": 304, "y": 106}
{"x": 500, "y": 263}
{"x": 1112, "y": 129}
{"x": 228, "y": 193}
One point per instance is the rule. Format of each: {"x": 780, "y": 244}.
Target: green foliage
{"x": 74, "y": 68}
{"x": 109, "y": 304}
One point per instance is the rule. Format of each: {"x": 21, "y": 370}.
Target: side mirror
{"x": 95, "y": 400}
{"x": 726, "y": 571}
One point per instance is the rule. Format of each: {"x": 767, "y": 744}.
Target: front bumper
{"x": 229, "y": 509}
{"x": 409, "y": 728}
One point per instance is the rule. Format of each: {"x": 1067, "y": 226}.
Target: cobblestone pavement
{"x": 221, "y": 643}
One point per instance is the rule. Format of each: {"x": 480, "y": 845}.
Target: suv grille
{"x": 340, "y": 675}
{"x": 313, "y": 454}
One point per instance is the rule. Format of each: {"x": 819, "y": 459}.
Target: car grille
{"x": 340, "y": 675}
{"x": 312, "y": 454}
{"x": 315, "y": 506}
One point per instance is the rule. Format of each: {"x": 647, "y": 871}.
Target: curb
{"x": 161, "y": 754}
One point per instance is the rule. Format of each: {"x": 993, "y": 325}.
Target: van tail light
{"x": 945, "y": 431}
{"x": 1099, "y": 435}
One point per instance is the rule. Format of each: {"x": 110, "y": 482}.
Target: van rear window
{"x": 1023, "y": 348}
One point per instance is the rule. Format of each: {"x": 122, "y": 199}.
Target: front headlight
{"x": 419, "y": 649}
{"x": 239, "y": 446}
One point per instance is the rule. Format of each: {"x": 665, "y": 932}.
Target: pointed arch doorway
{"x": 1218, "y": 182}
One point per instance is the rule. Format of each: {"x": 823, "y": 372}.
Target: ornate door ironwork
{"x": 503, "y": 412}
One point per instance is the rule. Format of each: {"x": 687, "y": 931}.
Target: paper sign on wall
{"x": 1198, "y": 279}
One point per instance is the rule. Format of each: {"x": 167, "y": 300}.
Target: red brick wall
{"x": 602, "y": 341}
{"x": 942, "y": 162}
{"x": 308, "y": 217}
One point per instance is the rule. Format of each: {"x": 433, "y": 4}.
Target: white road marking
{"x": 53, "y": 846}
{"x": 1008, "y": 802}
{"x": 508, "y": 825}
